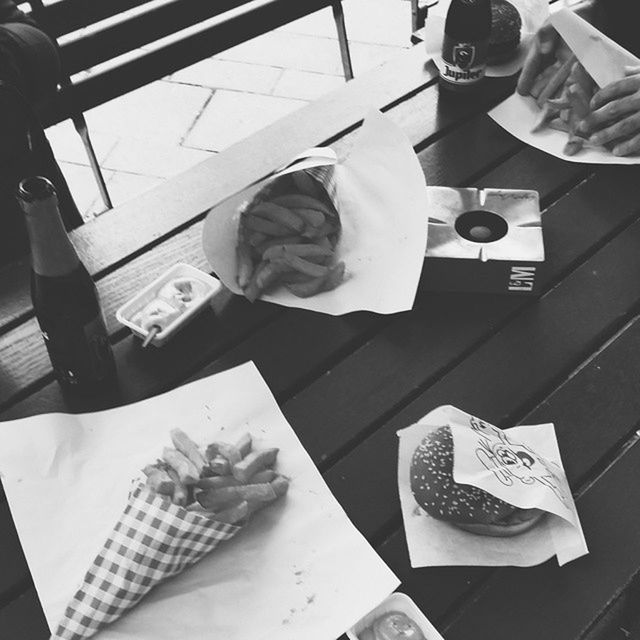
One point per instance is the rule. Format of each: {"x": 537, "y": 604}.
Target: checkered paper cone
{"x": 153, "y": 540}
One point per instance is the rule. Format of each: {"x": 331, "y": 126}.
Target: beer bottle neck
{"x": 52, "y": 252}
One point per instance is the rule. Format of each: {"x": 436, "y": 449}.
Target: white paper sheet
{"x": 602, "y": 58}
{"x": 384, "y": 214}
{"x": 532, "y": 12}
{"x": 432, "y": 542}
{"x": 298, "y": 570}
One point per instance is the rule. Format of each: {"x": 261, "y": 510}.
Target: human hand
{"x": 615, "y": 117}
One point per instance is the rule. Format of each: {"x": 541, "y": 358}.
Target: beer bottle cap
{"x": 35, "y": 188}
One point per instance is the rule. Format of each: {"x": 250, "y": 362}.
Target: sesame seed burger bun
{"x": 462, "y": 505}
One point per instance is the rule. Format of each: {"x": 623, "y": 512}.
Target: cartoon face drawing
{"x": 510, "y": 462}
{"x": 506, "y": 456}
{"x": 526, "y": 459}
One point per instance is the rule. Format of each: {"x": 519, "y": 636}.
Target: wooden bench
{"x": 111, "y": 47}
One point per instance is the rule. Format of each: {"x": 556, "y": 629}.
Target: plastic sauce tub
{"x": 171, "y": 301}
{"x": 401, "y": 603}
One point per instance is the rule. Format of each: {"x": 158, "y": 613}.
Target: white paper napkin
{"x": 483, "y": 457}
{"x": 299, "y": 569}
{"x": 383, "y": 210}
{"x": 603, "y": 58}
{"x": 532, "y": 12}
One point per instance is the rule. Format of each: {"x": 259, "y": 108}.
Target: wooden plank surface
{"x": 566, "y": 203}
{"x": 102, "y": 245}
{"x": 594, "y": 411}
{"x": 275, "y": 356}
{"x": 22, "y": 351}
{"x": 504, "y": 375}
{"x": 174, "y": 205}
{"x": 615, "y": 369}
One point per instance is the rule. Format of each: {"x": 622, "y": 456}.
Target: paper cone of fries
{"x": 358, "y": 244}
{"x": 560, "y": 96}
{"x": 153, "y": 540}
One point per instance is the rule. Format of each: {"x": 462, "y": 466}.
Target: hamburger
{"x": 462, "y": 505}
{"x": 506, "y": 24}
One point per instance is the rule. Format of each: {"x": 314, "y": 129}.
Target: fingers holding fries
{"x": 615, "y": 119}
{"x": 571, "y": 101}
{"x": 564, "y": 96}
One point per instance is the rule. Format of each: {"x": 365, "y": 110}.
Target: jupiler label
{"x": 462, "y": 76}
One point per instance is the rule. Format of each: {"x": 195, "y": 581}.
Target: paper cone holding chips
{"x": 377, "y": 190}
{"x": 192, "y": 501}
{"x": 560, "y": 95}
{"x": 153, "y": 540}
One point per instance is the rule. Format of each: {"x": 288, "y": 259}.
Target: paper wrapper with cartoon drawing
{"x": 378, "y": 189}
{"x": 521, "y": 466}
{"x": 533, "y": 13}
{"x": 603, "y": 59}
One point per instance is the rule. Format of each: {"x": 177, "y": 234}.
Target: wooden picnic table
{"x": 347, "y": 384}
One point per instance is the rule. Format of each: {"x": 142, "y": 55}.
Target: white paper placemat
{"x": 299, "y": 569}
{"x": 603, "y": 58}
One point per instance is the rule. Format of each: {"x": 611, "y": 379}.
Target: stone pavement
{"x": 169, "y": 125}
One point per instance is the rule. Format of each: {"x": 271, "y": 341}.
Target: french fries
{"x": 287, "y": 237}
{"x": 229, "y": 480}
{"x": 563, "y": 91}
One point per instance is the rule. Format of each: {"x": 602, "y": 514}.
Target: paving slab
{"x": 68, "y": 147}
{"x": 124, "y": 186}
{"x": 289, "y": 51}
{"x": 161, "y": 110}
{"x": 373, "y": 21}
{"x": 305, "y": 85}
{"x": 148, "y": 157}
{"x": 231, "y": 116}
{"x": 169, "y": 125}
{"x": 366, "y": 56}
{"x": 84, "y": 188}
{"x": 227, "y": 74}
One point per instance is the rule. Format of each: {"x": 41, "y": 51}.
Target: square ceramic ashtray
{"x": 381, "y": 623}
{"x": 168, "y": 303}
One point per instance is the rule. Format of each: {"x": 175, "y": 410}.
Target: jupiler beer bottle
{"x": 464, "y": 48}
{"x": 64, "y": 296}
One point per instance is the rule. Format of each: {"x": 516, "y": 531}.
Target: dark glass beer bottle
{"x": 64, "y": 296}
{"x": 464, "y": 47}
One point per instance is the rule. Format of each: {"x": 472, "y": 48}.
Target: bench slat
{"x": 131, "y": 71}
{"x": 65, "y": 16}
{"x": 151, "y": 21}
